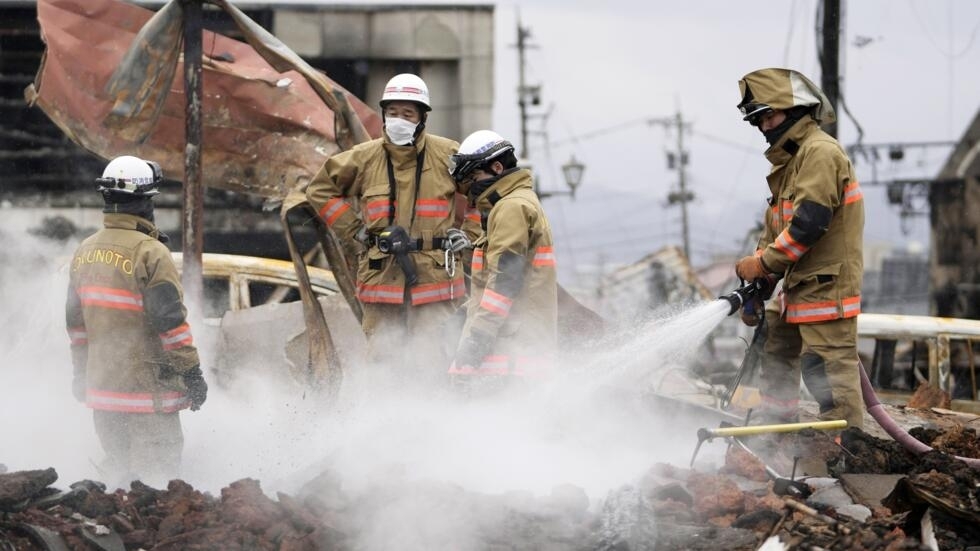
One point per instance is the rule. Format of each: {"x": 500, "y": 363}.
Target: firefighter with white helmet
{"x": 392, "y": 205}
{"x": 135, "y": 363}
{"x": 812, "y": 240}
{"x": 511, "y": 324}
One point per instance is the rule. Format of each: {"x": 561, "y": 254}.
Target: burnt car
{"x": 254, "y": 323}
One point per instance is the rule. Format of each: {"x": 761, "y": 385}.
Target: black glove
{"x": 197, "y": 389}
{"x": 768, "y": 285}
{"x": 78, "y": 385}
{"x": 472, "y": 350}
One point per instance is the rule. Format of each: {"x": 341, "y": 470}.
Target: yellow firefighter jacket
{"x": 377, "y": 184}
{"x": 126, "y": 320}
{"x": 814, "y": 226}
{"x": 514, "y": 296}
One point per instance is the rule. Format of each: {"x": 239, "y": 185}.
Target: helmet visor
{"x": 753, "y": 112}
{"x": 462, "y": 164}
{"x": 121, "y": 185}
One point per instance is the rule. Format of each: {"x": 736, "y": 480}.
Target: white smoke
{"x": 588, "y": 428}
{"x": 42, "y": 424}
{"x": 403, "y": 458}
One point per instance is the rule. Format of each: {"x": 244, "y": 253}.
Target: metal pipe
{"x": 769, "y": 429}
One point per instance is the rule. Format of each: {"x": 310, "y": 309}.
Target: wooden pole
{"x": 192, "y": 236}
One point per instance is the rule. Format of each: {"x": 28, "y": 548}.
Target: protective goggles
{"x": 462, "y": 164}
{"x": 754, "y": 112}
{"x": 140, "y": 185}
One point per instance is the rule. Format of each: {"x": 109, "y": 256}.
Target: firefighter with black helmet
{"x": 812, "y": 240}
{"x": 511, "y": 324}
{"x": 135, "y": 363}
{"x": 392, "y": 205}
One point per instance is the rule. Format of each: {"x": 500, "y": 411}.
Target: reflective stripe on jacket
{"x": 352, "y": 190}
{"x": 823, "y": 278}
{"x": 126, "y": 320}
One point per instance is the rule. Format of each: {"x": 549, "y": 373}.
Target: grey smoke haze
{"x": 586, "y": 428}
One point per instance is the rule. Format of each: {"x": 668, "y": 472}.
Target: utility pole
{"x": 531, "y": 94}
{"x": 685, "y": 196}
{"x": 830, "y": 56}
{"x": 523, "y": 33}
{"x": 572, "y": 170}
{"x": 678, "y": 160}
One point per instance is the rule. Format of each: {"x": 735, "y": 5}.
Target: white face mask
{"x": 400, "y": 131}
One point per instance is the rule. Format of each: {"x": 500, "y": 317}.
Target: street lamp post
{"x": 572, "y": 170}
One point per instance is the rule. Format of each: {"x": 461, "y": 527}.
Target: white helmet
{"x": 130, "y": 175}
{"x": 406, "y": 87}
{"x": 478, "y": 149}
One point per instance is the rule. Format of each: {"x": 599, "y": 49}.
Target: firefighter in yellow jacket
{"x": 392, "y": 204}
{"x": 135, "y": 364}
{"x": 511, "y": 323}
{"x": 813, "y": 241}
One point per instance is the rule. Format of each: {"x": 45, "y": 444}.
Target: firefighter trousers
{"x": 825, "y": 355}
{"x": 411, "y": 344}
{"x": 143, "y": 446}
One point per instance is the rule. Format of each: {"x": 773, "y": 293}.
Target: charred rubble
{"x": 737, "y": 507}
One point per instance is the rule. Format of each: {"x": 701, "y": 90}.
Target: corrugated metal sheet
{"x": 265, "y": 131}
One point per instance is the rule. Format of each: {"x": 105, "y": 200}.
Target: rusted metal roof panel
{"x": 265, "y": 131}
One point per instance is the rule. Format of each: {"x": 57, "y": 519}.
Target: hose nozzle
{"x": 740, "y": 296}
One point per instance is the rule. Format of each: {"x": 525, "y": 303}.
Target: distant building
{"x": 897, "y": 283}
{"x": 954, "y": 205}
{"x": 659, "y": 279}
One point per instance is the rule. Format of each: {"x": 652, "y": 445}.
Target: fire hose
{"x": 744, "y": 294}
{"x": 877, "y": 411}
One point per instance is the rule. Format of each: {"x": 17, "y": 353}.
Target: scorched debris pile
{"x": 670, "y": 508}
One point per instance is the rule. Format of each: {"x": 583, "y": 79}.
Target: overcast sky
{"x": 910, "y": 73}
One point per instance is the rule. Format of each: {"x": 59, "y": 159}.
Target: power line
{"x": 619, "y": 241}
{"x": 949, "y": 54}
{"x": 789, "y": 33}
{"x": 677, "y": 160}
{"x": 601, "y": 132}
{"x": 649, "y": 121}
{"x": 725, "y": 142}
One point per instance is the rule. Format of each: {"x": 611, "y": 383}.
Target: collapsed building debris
{"x": 897, "y": 500}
